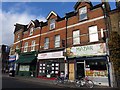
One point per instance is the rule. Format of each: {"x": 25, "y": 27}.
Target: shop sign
{"x": 87, "y": 50}
{"x": 96, "y": 73}
{"x": 51, "y": 55}
{"x": 12, "y": 58}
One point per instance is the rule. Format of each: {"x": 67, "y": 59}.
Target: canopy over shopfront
{"x": 26, "y": 59}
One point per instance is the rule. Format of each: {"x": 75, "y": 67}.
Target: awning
{"x": 26, "y": 59}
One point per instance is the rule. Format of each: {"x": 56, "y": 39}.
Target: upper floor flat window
{"x": 93, "y": 34}
{"x": 46, "y": 43}
{"x": 18, "y": 37}
{"x": 26, "y": 47}
{"x": 52, "y": 24}
{"x": 57, "y": 41}
{"x": 33, "y": 45}
{"x": 83, "y": 13}
{"x": 31, "y": 31}
{"x": 76, "y": 37}
{"x": 17, "y": 47}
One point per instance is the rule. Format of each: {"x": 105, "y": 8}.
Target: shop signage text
{"x": 88, "y": 50}
{"x": 51, "y": 55}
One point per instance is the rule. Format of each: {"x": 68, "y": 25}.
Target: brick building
{"x": 115, "y": 18}
{"x": 74, "y": 45}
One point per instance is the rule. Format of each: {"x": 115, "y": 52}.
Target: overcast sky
{"x": 23, "y": 12}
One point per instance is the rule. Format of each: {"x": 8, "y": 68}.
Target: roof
{"x": 52, "y": 12}
{"x": 70, "y": 14}
{"x": 19, "y": 27}
{"x": 36, "y": 23}
{"x": 79, "y": 1}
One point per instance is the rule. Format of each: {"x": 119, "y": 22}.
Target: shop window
{"x": 93, "y": 34}
{"x": 33, "y": 45}
{"x": 57, "y": 41}
{"x": 52, "y": 24}
{"x": 49, "y": 69}
{"x": 26, "y": 47}
{"x": 83, "y": 13}
{"x": 24, "y": 68}
{"x": 96, "y": 65}
{"x": 76, "y": 37}
{"x": 31, "y": 31}
{"x": 46, "y": 43}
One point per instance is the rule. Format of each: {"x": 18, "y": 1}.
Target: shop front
{"x": 91, "y": 61}
{"x": 51, "y": 64}
{"x": 27, "y": 64}
{"x": 12, "y": 65}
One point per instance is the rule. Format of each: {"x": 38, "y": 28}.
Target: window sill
{"x": 83, "y": 20}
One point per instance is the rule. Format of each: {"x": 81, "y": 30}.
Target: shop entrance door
{"x": 71, "y": 71}
{"x": 80, "y": 69}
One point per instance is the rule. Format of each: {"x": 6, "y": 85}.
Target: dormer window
{"x": 83, "y": 13}
{"x": 31, "y": 31}
{"x": 52, "y": 24}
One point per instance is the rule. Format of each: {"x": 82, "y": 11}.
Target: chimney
{"x": 106, "y": 5}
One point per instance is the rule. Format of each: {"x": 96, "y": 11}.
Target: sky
{"x": 23, "y": 12}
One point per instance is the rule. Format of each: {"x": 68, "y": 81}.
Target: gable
{"x": 51, "y": 14}
{"x": 31, "y": 23}
{"x": 82, "y": 3}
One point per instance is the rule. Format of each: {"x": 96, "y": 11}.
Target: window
{"x": 93, "y": 34}
{"x": 52, "y": 24}
{"x": 83, "y": 13}
{"x": 18, "y": 37}
{"x": 31, "y": 31}
{"x": 57, "y": 41}
{"x": 46, "y": 43}
{"x": 17, "y": 47}
{"x": 25, "y": 46}
{"x": 33, "y": 45}
{"x": 76, "y": 37}
{"x": 96, "y": 65}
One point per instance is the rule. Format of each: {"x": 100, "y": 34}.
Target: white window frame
{"x": 17, "y": 47}
{"x": 93, "y": 34}
{"x": 52, "y": 24}
{"x": 33, "y": 45}
{"x": 83, "y": 11}
{"x": 76, "y": 37}
{"x": 57, "y": 41}
{"x": 46, "y": 43}
{"x": 26, "y": 47}
{"x": 31, "y": 31}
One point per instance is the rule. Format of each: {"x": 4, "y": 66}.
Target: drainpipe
{"x": 37, "y": 63}
{"x": 108, "y": 28}
{"x": 66, "y": 58}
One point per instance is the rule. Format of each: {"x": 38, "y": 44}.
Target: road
{"x": 11, "y": 82}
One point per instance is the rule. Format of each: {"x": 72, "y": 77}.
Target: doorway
{"x": 80, "y": 70}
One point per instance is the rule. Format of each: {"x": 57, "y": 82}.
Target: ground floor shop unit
{"x": 26, "y": 65}
{"x": 51, "y": 64}
{"x": 89, "y": 60}
{"x": 96, "y": 68}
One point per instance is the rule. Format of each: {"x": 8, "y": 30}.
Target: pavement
{"x": 49, "y": 82}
